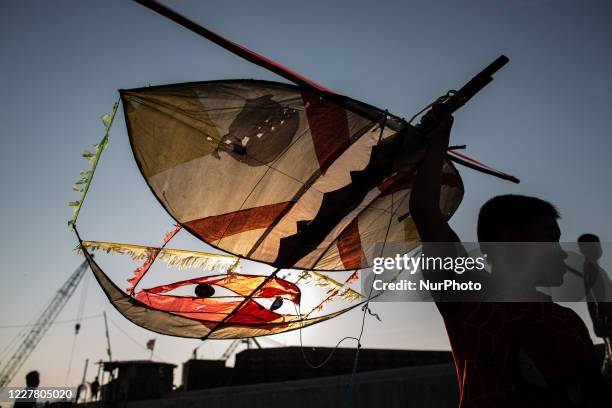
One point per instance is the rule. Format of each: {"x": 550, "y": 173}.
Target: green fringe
{"x": 82, "y": 185}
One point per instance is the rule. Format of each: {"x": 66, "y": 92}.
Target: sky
{"x": 544, "y": 119}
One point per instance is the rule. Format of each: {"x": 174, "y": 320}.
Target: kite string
{"x": 136, "y": 342}
{"x": 77, "y": 326}
{"x": 330, "y": 355}
{"x": 365, "y": 308}
{"x": 70, "y": 360}
{"x": 439, "y": 99}
{"x": 54, "y": 323}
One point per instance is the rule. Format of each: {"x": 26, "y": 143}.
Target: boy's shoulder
{"x": 519, "y": 315}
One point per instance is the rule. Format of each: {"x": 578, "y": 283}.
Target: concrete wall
{"x": 422, "y": 387}
{"x": 287, "y": 363}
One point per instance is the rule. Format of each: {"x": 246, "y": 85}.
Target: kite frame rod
{"x": 453, "y": 100}
{"x": 479, "y": 168}
{"x": 236, "y": 48}
{"x": 469, "y": 90}
{"x": 392, "y": 121}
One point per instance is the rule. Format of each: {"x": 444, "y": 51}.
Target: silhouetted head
{"x": 32, "y": 379}
{"x": 590, "y": 246}
{"x": 521, "y": 221}
{"x": 517, "y": 218}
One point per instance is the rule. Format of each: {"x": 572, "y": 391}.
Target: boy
{"x": 508, "y": 354}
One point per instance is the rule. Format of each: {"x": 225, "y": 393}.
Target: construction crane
{"x": 234, "y": 345}
{"x": 40, "y": 327}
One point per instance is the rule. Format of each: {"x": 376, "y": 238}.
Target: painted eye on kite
{"x": 204, "y": 290}
{"x": 261, "y": 131}
{"x": 278, "y": 302}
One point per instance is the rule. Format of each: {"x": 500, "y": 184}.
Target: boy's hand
{"x": 439, "y": 137}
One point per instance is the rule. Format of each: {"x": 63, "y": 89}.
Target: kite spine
{"x": 82, "y": 186}
{"x": 472, "y": 87}
{"x": 233, "y": 47}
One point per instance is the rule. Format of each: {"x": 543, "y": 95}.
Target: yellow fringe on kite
{"x": 331, "y": 284}
{"x": 180, "y": 258}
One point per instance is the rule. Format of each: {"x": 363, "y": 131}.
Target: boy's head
{"x": 517, "y": 218}
{"x": 522, "y": 222}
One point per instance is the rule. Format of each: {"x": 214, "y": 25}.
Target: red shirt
{"x": 490, "y": 342}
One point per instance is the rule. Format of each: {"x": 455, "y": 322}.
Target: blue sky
{"x": 545, "y": 119}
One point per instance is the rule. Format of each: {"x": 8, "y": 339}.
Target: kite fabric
{"x": 193, "y": 317}
{"x": 279, "y": 174}
{"x": 216, "y": 308}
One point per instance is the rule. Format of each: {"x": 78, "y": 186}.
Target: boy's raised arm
{"x": 425, "y": 196}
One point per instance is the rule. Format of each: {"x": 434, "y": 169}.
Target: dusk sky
{"x": 545, "y": 119}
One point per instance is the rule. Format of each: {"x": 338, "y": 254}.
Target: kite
{"x": 158, "y": 310}
{"x": 291, "y": 175}
{"x": 195, "y": 317}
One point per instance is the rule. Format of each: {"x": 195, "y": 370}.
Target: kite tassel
{"x": 83, "y": 184}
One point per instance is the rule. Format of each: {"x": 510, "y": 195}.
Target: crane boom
{"x": 40, "y": 327}
{"x": 231, "y": 349}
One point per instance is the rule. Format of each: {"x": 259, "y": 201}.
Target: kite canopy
{"x": 280, "y": 174}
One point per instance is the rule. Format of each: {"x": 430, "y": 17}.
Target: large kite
{"x": 294, "y": 176}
